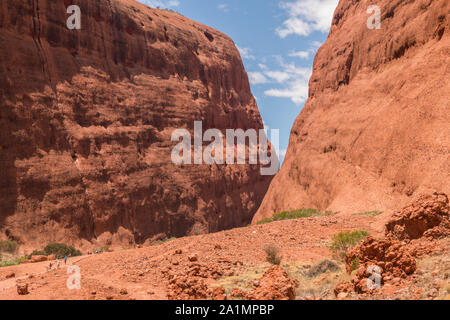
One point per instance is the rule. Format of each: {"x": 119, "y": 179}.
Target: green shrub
{"x": 61, "y": 250}
{"x": 272, "y": 255}
{"x": 14, "y": 262}
{"x": 8, "y": 246}
{"x": 345, "y": 240}
{"x": 8, "y": 263}
{"x": 295, "y": 214}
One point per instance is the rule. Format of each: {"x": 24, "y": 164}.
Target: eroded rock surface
{"x": 411, "y": 233}
{"x": 376, "y": 127}
{"x": 86, "y": 118}
{"x": 428, "y": 216}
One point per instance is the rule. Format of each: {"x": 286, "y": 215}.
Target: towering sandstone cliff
{"x": 376, "y": 127}
{"x": 86, "y": 118}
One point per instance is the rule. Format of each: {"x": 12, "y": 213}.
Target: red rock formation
{"x": 86, "y": 118}
{"x": 427, "y": 216}
{"x": 186, "y": 288}
{"x": 376, "y": 127}
{"x": 392, "y": 258}
{"x": 275, "y": 284}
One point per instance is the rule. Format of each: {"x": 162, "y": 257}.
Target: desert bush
{"x": 345, "y": 240}
{"x": 13, "y": 262}
{"x": 9, "y": 246}
{"x": 323, "y": 266}
{"x": 295, "y": 214}
{"x": 8, "y": 263}
{"x": 273, "y": 255}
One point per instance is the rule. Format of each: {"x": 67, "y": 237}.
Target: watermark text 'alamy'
{"x": 234, "y": 139}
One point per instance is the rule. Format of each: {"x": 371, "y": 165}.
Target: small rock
{"x": 342, "y": 295}
{"x": 123, "y": 292}
{"x": 22, "y": 289}
{"x": 10, "y": 275}
{"x": 433, "y": 293}
{"x": 193, "y": 258}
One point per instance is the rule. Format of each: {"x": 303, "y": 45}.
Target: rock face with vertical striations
{"x": 376, "y": 127}
{"x": 86, "y": 118}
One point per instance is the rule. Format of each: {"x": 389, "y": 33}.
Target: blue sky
{"x": 277, "y": 40}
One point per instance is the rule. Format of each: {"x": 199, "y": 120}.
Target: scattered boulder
{"x": 37, "y": 258}
{"x": 123, "y": 291}
{"x": 392, "y": 256}
{"x": 427, "y": 216}
{"x": 22, "y": 289}
{"x": 187, "y": 288}
{"x": 193, "y": 258}
{"x": 218, "y": 294}
{"x": 393, "y": 259}
{"x": 343, "y": 287}
{"x": 382, "y": 259}
{"x": 275, "y": 284}
{"x": 10, "y": 275}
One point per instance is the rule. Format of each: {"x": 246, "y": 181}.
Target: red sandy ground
{"x": 142, "y": 272}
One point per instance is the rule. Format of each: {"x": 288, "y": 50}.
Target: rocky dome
{"x": 375, "y": 129}
{"x": 86, "y": 118}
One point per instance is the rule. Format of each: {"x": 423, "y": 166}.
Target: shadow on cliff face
{"x": 8, "y": 185}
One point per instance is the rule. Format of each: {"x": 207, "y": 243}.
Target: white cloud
{"x": 161, "y": 3}
{"x": 279, "y": 76}
{"x": 262, "y": 66}
{"x": 223, "y": 7}
{"x": 296, "y": 85}
{"x": 257, "y": 78}
{"x": 307, "y": 53}
{"x": 306, "y": 16}
{"x": 245, "y": 53}
{"x": 292, "y": 80}
{"x": 300, "y": 54}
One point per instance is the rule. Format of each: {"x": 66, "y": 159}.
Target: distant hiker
{"x": 58, "y": 263}
{"x": 65, "y": 260}
{"x": 50, "y": 266}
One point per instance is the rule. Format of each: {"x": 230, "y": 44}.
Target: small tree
{"x": 61, "y": 250}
